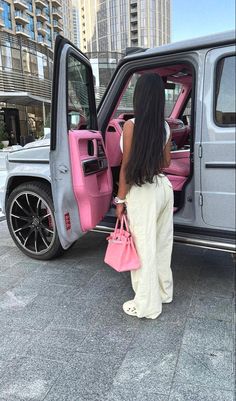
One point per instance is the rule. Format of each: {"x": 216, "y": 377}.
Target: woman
{"x": 148, "y": 196}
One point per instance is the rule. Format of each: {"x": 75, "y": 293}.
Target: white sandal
{"x": 129, "y": 308}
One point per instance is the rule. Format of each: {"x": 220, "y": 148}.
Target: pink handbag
{"x": 121, "y": 253}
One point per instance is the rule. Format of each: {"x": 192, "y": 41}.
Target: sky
{"x": 193, "y": 18}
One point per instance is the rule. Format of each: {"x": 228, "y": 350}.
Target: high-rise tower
{"x": 114, "y": 25}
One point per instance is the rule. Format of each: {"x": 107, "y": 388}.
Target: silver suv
{"x": 54, "y": 194}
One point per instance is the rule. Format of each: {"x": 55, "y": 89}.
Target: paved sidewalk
{"x": 64, "y": 336}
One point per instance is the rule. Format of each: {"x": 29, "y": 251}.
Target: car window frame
{"x": 222, "y": 57}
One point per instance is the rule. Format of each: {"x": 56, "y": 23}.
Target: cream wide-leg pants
{"x": 150, "y": 216}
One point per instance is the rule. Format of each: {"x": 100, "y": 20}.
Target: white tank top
{"x": 167, "y": 128}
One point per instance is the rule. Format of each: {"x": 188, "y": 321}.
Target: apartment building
{"x": 38, "y": 20}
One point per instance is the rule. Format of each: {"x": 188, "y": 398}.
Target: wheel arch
{"x": 16, "y": 180}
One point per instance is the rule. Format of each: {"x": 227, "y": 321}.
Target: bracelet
{"x": 118, "y": 200}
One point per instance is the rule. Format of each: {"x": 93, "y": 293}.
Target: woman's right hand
{"x": 120, "y": 208}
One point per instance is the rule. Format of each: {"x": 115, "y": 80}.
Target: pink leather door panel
{"x": 91, "y": 176}
{"x": 113, "y": 134}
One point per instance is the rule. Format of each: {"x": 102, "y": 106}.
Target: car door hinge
{"x": 200, "y": 151}
{"x": 63, "y": 169}
{"x": 200, "y": 200}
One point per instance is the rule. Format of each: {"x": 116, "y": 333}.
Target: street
{"x": 64, "y": 336}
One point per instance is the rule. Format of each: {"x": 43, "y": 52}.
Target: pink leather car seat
{"x": 179, "y": 169}
{"x": 180, "y": 163}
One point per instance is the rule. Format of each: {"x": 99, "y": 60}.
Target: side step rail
{"x": 204, "y": 242}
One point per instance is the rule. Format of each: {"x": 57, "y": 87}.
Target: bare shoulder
{"x": 128, "y": 128}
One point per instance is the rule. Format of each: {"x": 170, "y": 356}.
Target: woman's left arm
{"x": 167, "y": 154}
{"x": 123, "y": 186}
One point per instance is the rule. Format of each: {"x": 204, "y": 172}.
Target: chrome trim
{"x": 103, "y": 229}
{"x": 214, "y": 245}
{"x": 34, "y": 161}
{"x": 220, "y": 246}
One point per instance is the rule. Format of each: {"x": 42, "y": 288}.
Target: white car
{"x": 55, "y": 194}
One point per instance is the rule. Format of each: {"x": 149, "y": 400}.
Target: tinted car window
{"x": 225, "y": 92}
{"x": 78, "y": 97}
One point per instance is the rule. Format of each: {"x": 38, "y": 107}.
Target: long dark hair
{"x": 146, "y": 157}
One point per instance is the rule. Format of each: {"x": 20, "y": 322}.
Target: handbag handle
{"x": 123, "y": 224}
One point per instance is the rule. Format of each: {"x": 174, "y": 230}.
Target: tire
{"x": 31, "y": 221}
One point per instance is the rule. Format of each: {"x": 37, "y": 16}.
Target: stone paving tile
{"x": 4, "y": 249}
{"x": 92, "y": 372}
{"x": 154, "y": 336}
{"x": 146, "y": 373}
{"x": 71, "y": 390}
{"x": 42, "y": 288}
{"x": 78, "y": 277}
{"x": 177, "y": 310}
{"x": 13, "y": 256}
{"x": 3, "y": 366}
{"x": 65, "y": 265}
{"x": 194, "y": 257}
{"x": 106, "y": 339}
{"x": 112, "y": 312}
{"x": 185, "y": 279}
{"x": 78, "y": 315}
{"x": 213, "y": 369}
{"x": 29, "y": 318}
{"x": 216, "y": 281}
{"x": 212, "y": 308}
{"x": 7, "y": 282}
{"x": 104, "y": 285}
{"x": 28, "y": 378}
{"x": 208, "y": 335}
{"x": 22, "y": 269}
{"x": 193, "y": 393}
{"x": 14, "y": 342}
{"x": 117, "y": 394}
{"x": 15, "y": 299}
{"x": 56, "y": 344}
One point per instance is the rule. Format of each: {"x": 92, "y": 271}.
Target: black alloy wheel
{"x": 31, "y": 221}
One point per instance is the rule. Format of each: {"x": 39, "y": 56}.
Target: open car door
{"x": 80, "y": 174}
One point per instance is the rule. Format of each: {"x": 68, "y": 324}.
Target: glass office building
{"x": 114, "y": 25}
{"x": 25, "y": 85}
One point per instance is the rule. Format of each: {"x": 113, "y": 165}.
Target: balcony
{"x": 21, "y": 30}
{"x": 134, "y": 29}
{"x": 56, "y": 12}
{"x": 41, "y": 3}
{"x": 41, "y": 15}
{"x": 21, "y": 4}
{"x": 2, "y": 24}
{"x": 134, "y": 35}
{"x": 41, "y": 28}
{"x": 1, "y": 6}
{"x": 21, "y": 17}
{"x": 56, "y": 3}
{"x": 134, "y": 19}
{"x": 48, "y": 43}
{"x": 134, "y": 41}
{"x": 57, "y": 26}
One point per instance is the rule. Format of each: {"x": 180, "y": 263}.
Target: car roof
{"x": 202, "y": 42}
